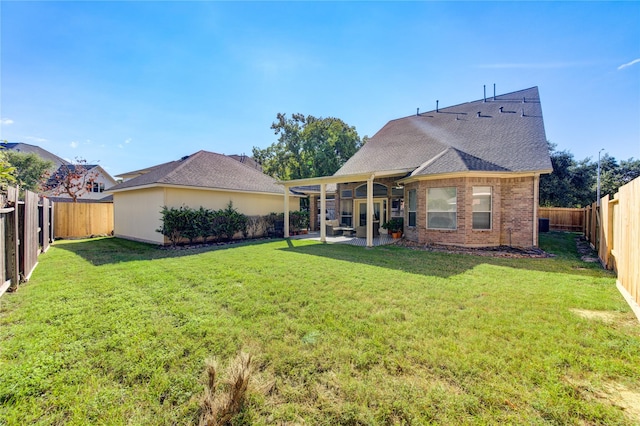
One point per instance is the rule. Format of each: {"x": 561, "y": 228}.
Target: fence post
{"x": 12, "y": 247}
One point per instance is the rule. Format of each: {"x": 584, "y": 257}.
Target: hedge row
{"x": 187, "y": 223}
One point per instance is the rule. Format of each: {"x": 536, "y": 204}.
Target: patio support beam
{"x": 323, "y": 209}
{"x": 286, "y": 211}
{"x": 370, "y": 215}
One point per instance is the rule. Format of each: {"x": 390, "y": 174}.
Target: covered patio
{"x": 381, "y": 240}
{"x": 371, "y": 240}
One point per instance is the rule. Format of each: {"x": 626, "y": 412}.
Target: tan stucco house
{"x": 464, "y": 175}
{"x": 202, "y": 179}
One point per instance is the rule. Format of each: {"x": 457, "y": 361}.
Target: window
{"x": 442, "y": 208}
{"x": 97, "y": 187}
{"x": 481, "y": 207}
{"x": 346, "y": 212}
{"x": 346, "y": 193}
{"x": 413, "y": 207}
{"x": 379, "y": 190}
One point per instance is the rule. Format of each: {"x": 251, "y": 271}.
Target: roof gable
{"x": 42, "y": 153}
{"x": 207, "y": 170}
{"x": 502, "y": 134}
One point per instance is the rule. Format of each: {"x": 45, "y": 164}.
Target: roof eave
{"x": 474, "y": 173}
{"x": 355, "y": 177}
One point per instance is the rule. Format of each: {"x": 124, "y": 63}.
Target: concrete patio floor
{"x": 381, "y": 240}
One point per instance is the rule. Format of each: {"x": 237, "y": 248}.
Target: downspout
{"x": 323, "y": 209}
{"x": 536, "y": 196}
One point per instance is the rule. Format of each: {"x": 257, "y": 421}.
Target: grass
{"x": 114, "y": 332}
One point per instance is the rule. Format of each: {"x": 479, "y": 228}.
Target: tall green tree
{"x": 574, "y": 183}
{"x": 308, "y": 146}
{"x": 7, "y": 171}
{"x": 31, "y": 170}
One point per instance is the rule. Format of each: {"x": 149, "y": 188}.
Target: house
{"x": 89, "y": 187}
{"x": 87, "y": 182}
{"x": 33, "y": 149}
{"x": 202, "y": 179}
{"x": 464, "y": 175}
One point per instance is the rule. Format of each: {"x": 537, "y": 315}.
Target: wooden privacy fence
{"x": 614, "y": 230}
{"x": 563, "y": 219}
{"x": 25, "y": 232}
{"x": 74, "y": 220}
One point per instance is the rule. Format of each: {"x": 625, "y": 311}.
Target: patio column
{"x": 323, "y": 209}
{"x": 370, "y": 212}
{"x": 286, "y": 211}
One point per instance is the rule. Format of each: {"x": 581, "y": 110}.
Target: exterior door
{"x": 379, "y": 212}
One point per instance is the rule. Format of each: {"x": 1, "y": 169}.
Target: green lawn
{"x": 114, "y": 332}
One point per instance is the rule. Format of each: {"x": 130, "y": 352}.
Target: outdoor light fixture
{"x": 598, "y": 183}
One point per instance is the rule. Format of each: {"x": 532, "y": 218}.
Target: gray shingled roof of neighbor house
{"x": 505, "y": 134}
{"x": 205, "y": 170}
{"x": 42, "y": 153}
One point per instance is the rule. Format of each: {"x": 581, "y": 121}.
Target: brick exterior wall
{"x": 512, "y": 203}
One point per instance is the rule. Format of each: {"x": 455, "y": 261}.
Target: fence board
{"x": 11, "y": 239}
{"x": 74, "y": 220}
{"x": 29, "y": 241}
{"x": 563, "y": 219}
{"x": 615, "y": 232}
{"x": 627, "y": 252}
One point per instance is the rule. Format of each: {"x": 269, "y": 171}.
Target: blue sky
{"x": 133, "y": 84}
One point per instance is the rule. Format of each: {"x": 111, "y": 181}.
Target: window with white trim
{"x": 442, "y": 208}
{"x": 97, "y": 187}
{"x": 413, "y": 207}
{"x": 346, "y": 212}
{"x": 481, "y": 207}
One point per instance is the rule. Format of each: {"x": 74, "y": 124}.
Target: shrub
{"x": 184, "y": 222}
{"x": 173, "y": 223}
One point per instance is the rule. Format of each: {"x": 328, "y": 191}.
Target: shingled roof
{"x": 204, "y": 170}
{"x": 501, "y": 134}
{"x": 42, "y": 153}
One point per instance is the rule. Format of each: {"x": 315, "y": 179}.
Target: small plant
{"x": 395, "y": 224}
{"x": 221, "y": 403}
{"x": 299, "y": 220}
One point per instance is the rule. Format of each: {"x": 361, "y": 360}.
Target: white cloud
{"x": 35, "y": 139}
{"x": 74, "y": 144}
{"x": 120, "y": 146}
{"x": 628, "y": 64}
{"x": 128, "y": 140}
{"x": 6, "y": 121}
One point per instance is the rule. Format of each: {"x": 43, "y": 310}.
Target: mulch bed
{"x": 499, "y": 251}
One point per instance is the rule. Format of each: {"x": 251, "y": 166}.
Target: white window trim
{"x": 427, "y": 209}
{"x": 490, "y": 228}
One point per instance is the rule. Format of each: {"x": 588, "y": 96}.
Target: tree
{"x": 571, "y": 184}
{"x": 6, "y": 170}
{"x": 307, "y": 147}
{"x": 73, "y": 180}
{"x": 31, "y": 171}
{"x": 574, "y": 183}
{"x": 613, "y": 175}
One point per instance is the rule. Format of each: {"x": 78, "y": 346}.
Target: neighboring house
{"x": 42, "y": 153}
{"x": 97, "y": 182}
{"x": 462, "y": 175}
{"x": 203, "y": 179}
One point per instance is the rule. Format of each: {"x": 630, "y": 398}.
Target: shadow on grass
{"x": 562, "y": 245}
{"x": 103, "y": 251}
{"x": 110, "y": 250}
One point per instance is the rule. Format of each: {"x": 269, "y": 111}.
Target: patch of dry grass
{"x": 223, "y": 400}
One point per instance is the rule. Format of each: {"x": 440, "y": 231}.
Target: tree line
{"x": 573, "y": 183}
